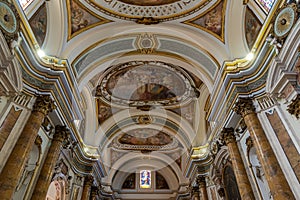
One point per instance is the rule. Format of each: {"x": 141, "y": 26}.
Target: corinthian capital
{"x": 61, "y": 133}
{"x": 201, "y": 181}
{"x": 294, "y": 107}
{"x": 244, "y": 107}
{"x": 227, "y": 135}
{"x": 88, "y": 180}
{"x": 44, "y": 104}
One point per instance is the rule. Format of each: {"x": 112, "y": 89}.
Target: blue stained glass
{"x": 145, "y": 178}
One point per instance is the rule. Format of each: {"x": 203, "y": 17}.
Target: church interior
{"x": 149, "y": 99}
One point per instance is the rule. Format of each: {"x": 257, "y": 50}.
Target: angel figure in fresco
{"x": 77, "y": 18}
{"x": 213, "y": 21}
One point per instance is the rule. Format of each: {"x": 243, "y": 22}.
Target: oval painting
{"x": 146, "y": 83}
{"x": 149, "y": 137}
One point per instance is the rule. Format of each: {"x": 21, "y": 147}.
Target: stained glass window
{"x": 145, "y": 179}
{"x": 25, "y": 3}
{"x": 266, "y": 4}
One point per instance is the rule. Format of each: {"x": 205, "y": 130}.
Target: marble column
{"x": 44, "y": 180}
{"x": 238, "y": 167}
{"x": 202, "y": 186}
{"x": 88, "y": 181}
{"x": 16, "y": 162}
{"x": 274, "y": 175}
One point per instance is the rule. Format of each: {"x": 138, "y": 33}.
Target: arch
{"x": 161, "y": 118}
{"x": 155, "y": 161}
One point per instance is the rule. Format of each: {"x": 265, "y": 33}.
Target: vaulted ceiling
{"x": 146, "y": 71}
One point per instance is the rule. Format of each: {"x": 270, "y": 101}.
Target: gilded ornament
{"x": 214, "y": 148}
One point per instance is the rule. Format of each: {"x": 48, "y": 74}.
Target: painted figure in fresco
{"x": 145, "y": 137}
{"x": 213, "y": 20}
{"x": 77, "y": 18}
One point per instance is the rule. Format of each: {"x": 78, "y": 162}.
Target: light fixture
{"x": 250, "y": 56}
{"x": 41, "y": 53}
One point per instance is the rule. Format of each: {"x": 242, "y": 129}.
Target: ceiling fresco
{"x": 145, "y": 139}
{"x": 38, "y": 23}
{"x": 80, "y": 18}
{"x": 212, "y": 20}
{"x": 149, "y": 2}
{"x": 142, "y": 83}
{"x": 252, "y": 27}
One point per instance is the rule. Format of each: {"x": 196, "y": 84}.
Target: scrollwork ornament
{"x": 214, "y": 147}
{"x": 244, "y": 107}
{"x": 44, "y": 104}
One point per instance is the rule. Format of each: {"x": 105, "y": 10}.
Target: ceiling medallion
{"x": 143, "y": 84}
{"x": 285, "y": 20}
{"x": 145, "y": 119}
{"x": 9, "y": 21}
{"x": 148, "y": 11}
